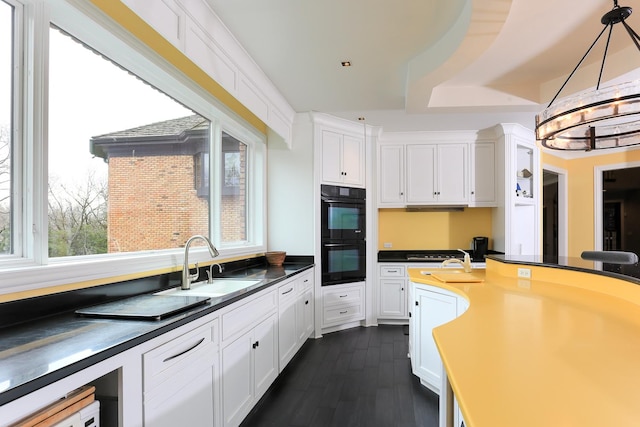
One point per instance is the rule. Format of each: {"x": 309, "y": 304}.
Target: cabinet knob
{"x": 473, "y": 192}
{"x": 306, "y": 302}
{"x": 416, "y": 303}
{"x": 256, "y": 344}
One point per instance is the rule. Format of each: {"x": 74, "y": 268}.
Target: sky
{"x": 88, "y": 96}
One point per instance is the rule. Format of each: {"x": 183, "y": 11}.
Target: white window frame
{"x": 32, "y": 269}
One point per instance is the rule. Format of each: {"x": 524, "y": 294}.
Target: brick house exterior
{"x": 158, "y": 186}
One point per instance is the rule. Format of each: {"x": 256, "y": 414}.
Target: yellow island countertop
{"x": 559, "y": 349}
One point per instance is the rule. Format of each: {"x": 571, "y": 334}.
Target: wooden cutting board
{"x": 457, "y": 277}
{"x": 60, "y": 409}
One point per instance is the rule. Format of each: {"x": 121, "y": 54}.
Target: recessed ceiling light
{"x": 346, "y": 63}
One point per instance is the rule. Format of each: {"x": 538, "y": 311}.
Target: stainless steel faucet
{"x": 466, "y": 264}
{"x": 187, "y": 277}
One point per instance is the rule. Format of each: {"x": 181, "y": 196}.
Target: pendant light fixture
{"x": 604, "y": 118}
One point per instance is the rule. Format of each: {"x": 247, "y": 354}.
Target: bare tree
{"x": 5, "y": 189}
{"x": 78, "y": 218}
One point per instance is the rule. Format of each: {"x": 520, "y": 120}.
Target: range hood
{"x": 434, "y": 208}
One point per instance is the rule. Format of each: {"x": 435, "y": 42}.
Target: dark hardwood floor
{"x": 356, "y": 377}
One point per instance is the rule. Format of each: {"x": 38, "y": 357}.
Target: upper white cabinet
{"x": 516, "y": 227}
{"x": 342, "y": 159}
{"x": 422, "y": 174}
{"x": 194, "y": 28}
{"x": 341, "y": 149}
{"x": 482, "y": 174}
{"x": 391, "y": 175}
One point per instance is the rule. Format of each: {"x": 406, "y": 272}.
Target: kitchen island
{"x": 558, "y": 348}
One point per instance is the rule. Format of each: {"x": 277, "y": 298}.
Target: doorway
{"x": 554, "y": 214}
{"x": 619, "y": 209}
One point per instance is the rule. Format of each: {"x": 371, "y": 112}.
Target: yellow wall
{"x": 581, "y": 207}
{"x": 432, "y": 230}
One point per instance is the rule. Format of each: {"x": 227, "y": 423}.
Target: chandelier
{"x": 604, "y": 118}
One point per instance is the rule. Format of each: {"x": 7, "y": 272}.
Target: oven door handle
{"x": 346, "y": 202}
{"x": 336, "y": 245}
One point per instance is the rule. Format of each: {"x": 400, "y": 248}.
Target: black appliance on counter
{"x": 343, "y": 233}
{"x": 480, "y": 247}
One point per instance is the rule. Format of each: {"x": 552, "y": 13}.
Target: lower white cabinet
{"x": 342, "y": 304}
{"x": 180, "y": 380}
{"x": 431, "y": 307}
{"x": 393, "y": 292}
{"x": 287, "y": 333}
{"x": 249, "y": 366}
{"x": 295, "y": 315}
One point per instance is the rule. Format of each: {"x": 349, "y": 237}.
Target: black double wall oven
{"x": 343, "y": 234}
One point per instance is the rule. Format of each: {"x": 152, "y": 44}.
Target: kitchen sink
{"x": 219, "y": 288}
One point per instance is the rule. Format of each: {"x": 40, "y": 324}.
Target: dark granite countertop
{"x": 630, "y": 273}
{"x": 422, "y": 255}
{"x": 36, "y": 353}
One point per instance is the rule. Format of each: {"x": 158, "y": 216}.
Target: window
{"x": 7, "y": 41}
{"x": 122, "y": 159}
{"x": 234, "y": 193}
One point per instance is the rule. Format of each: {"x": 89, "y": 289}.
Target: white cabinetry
{"x": 340, "y": 146}
{"x": 516, "y": 227}
{"x": 482, "y": 174}
{"x": 193, "y": 28}
{"x": 422, "y": 174}
{"x": 342, "y": 159}
{"x": 431, "y": 307}
{"x": 249, "y": 355}
{"x": 304, "y": 311}
{"x": 391, "y": 175}
{"x": 180, "y": 380}
{"x": 431, "y": 310}
{"x": 342, "y": 304}
{"x": 393, "y": 292}
{"x": 295, "y": 308}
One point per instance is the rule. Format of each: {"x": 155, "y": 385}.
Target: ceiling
{"x": 428, "y": 56}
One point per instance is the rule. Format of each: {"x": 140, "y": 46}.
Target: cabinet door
{"x": 420, "y": 163}
{"x": 191, "y": 404}
{"x": 305, "y": 316}
{"x": 287, "y": 323}
{"x": 179, "y": 380}
{"x": 237, "y": 379}
{"x": 431, "y": 309}
{"x": 265, "y": 355}
{"x": 452, "y": 173}
{"x": 391, "y": 174}
{"x": 482, "y": 168}
{"x": 353, "y": 160}
{"x": 393, "y": 298}
{"x": 332, "y": 157}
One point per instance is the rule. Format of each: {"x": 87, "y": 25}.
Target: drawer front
{"x": 392, "y": 271}
{"x": 247, "y": 315}
{"x": 342, "y": 314}
{"x": 287, "y": 292}
{"x": 343, "y": 296}
{"x": 306, "y": 281}
{"x": 167, "y": 360}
